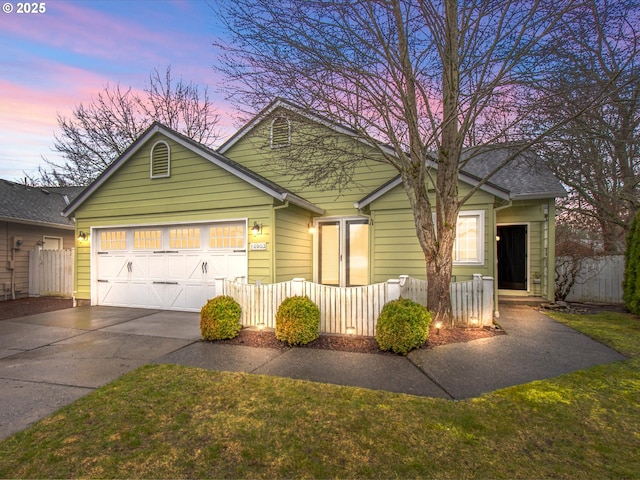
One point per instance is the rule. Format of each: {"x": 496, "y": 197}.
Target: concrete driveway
{"x": 51, "y": 359}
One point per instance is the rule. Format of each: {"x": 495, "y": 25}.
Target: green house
{"x": 170, "y": 215}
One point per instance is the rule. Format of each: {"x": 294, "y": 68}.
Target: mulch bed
{"x": 32, "y": 305}
{"x": 358, "y": 344}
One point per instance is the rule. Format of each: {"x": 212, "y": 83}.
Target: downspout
{"x": 273, "y": 233}
{"x": 496, "y": 313}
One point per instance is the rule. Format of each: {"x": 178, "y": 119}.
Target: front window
{"x": 468, "y": 248}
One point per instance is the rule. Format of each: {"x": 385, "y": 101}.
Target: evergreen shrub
{"x": 297, "y": 321}
{"x": 402, "y": 326}
{"x": 220, "y": 318}
{"x": 631, "y": 284}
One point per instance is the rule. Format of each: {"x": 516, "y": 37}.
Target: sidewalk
{"x": 51, "y": 359}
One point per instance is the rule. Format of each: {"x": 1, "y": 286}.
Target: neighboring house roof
{"x": 35, "y": 205}
{"x": 258, "y": 181}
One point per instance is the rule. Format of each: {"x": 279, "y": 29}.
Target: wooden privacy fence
{"x": 51, "y": 272}
{"x": 599, "y": 280}
{"x": 355, "y": 310}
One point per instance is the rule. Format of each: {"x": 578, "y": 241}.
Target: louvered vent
{"x": 160, "y": 160}
{"x": 280, "y": 133}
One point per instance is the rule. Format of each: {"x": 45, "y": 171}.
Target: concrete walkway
{"x": 49, "y": 360}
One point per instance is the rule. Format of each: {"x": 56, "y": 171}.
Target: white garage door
{"x": 169, "y": 267}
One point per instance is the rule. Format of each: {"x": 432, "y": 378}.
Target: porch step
{"x": 529, "y": 301}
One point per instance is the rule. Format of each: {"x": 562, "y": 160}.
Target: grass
{"x": 166, "y": 421}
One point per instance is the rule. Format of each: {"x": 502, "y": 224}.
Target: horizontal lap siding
{"x": 294, "y": 245}
{"x": 253, "y": 152}
{"x": 196, "y": 191}
{"x": 396, "y": 250}
{"x": 30, "y": 235}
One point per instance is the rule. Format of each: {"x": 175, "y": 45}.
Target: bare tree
{"x": 422, "y": 78}
{"x": 97, "y": 133}
{"x": 596, "y": 153}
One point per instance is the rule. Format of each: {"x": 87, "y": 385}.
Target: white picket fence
{"x": 51, "y": 273}
{"x": 599, "y": 280}
{"x": 355, "y": 310}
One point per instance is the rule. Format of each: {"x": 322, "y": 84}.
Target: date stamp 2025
{"x": 25, "y": 7}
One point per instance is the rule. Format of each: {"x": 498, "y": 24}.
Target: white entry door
{"x": 169, "y": 267}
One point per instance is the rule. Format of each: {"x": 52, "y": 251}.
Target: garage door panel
{"x": 165, "y": 278}
{"x": 112, "y": 266}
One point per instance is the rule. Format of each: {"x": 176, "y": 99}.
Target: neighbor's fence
{"x": 356, "y": 309}
{"x": 51, "y": 272}
{"x": 599, "y": 280}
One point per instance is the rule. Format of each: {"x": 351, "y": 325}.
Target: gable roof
{"x": 524, "y": 178}
{"x": 234, "y": 168}
{"x": 287, "y": 105}
{"x": 35, "y": 205}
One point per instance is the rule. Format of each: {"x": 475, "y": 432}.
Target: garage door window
{"x": 226, "y": 236}
{"x": 184, "y": 238}
{"x": 147, "y": 239}
{"x": 114, "y": 240}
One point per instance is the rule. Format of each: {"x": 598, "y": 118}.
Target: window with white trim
{"x": 468, "y": 248}
{"x": 280, "y": 132}
{"x": 160, "y": 160}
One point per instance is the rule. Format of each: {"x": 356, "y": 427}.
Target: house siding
{"x": 196, "y": 191}
{"x": 254, "y": 152}
{"x": 396, "y": 250}
{"x": 294, "y": 245}
{"x": 30, "y": 235}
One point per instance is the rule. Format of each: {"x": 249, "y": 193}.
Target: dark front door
{"x": 512, "y": 257}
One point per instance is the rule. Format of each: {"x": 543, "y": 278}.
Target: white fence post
{"x": 393, "y": 289}
{"x": 487, "y": 302}
{"x": 297, "y": 287}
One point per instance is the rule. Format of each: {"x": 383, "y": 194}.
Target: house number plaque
{"x": 258, "y": 246}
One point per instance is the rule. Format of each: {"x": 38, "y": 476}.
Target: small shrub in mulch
{"x": 297, "y": 321}
{"x": 220, "y": 318}
{"x": 402, "y": 326}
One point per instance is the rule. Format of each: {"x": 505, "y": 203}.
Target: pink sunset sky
{"x": 55, "y": 60}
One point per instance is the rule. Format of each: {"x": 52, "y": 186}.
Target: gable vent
{"x": 160, "y": 160}
{"x": 280, "y": 133}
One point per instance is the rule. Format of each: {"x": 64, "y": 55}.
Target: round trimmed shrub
{"x": 220, "y": 318}
{"x": 297, "y": 321}
{"x": 402, "y": 326}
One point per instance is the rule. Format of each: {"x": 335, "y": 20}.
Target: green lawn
{"x": 170, "y": 421}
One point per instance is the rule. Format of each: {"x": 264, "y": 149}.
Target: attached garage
{"x": 168, "y": 267}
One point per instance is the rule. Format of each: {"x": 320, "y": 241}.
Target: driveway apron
{"x": 51, "y": 359}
